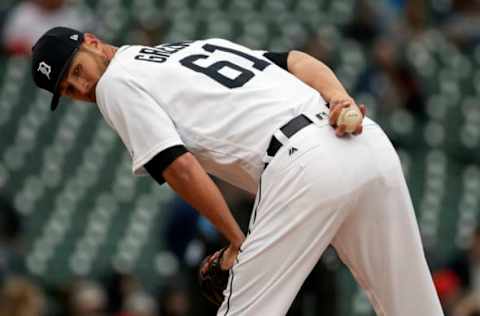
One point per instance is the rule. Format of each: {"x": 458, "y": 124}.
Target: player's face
{"x": 81, "y": 79}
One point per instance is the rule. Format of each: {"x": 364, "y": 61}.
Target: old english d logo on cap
{"x": 51, "y": 58}
{"x": 45, "y": 69}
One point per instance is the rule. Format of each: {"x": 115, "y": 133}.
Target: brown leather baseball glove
{"x": 212, "y": 278}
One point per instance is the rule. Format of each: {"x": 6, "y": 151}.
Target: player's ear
{"x": 91, "y": 40}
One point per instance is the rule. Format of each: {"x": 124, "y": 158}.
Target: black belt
{"x": 289, "y": 129}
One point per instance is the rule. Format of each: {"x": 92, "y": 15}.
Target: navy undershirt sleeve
{"x": 279, "y": 59}
{"x": 157, "y": 165}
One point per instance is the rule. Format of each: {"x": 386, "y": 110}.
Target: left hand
{"x": 336, "y": 106}
{"x": 229, "y": 256}
{"x": 226, "y": 261}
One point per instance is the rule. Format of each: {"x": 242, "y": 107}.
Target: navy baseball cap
{"x": 51, "y": 57}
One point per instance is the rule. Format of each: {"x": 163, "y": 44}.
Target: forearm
{"x": 192, "y": 183}
{"x": 317, "y": 75}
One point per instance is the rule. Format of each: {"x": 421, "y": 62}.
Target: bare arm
{"x": 320, "y": 77}
{"x": 191, "y": 182}
{"x": 317, "y": 75}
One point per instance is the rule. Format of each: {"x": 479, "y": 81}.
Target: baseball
{"x": 351, "y": 117}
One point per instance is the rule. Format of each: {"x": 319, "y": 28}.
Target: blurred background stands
{"x": 69, "y": 177}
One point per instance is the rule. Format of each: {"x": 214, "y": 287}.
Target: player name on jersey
{"x": 160, "y": 54}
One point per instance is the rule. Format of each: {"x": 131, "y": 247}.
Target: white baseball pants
{"x": 347, "y": 192}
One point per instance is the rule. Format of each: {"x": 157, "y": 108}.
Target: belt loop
{"x": 319, "y": 119}
{"x": 280, "y": 136}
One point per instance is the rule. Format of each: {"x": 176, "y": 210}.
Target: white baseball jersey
{"x": 221, "y": 100}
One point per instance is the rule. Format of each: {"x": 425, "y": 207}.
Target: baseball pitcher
{"x": 259, "y": 120}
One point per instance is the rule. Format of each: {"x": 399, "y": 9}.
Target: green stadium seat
{"x": 434, "y": 134}
{"x": 207, "y": 6}
{"x": 218, "y": 25}
{"x": 166, "y": 264}
{"x": 306, "y": 7}
{"x": 14, "y": 158}
{"x": 402, "y": 122}
{"x": 238, "y": 8}
{"x": 341, "y": 11}
{"x": 174, "y": 6}
{"x": 476, "y": 54}
{"x": 468, "y": 207}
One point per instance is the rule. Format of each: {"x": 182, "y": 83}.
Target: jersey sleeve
{"x": 157, "y": 165}
{"x": 142, "y": 124}
{"x": 279, "y": 59}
